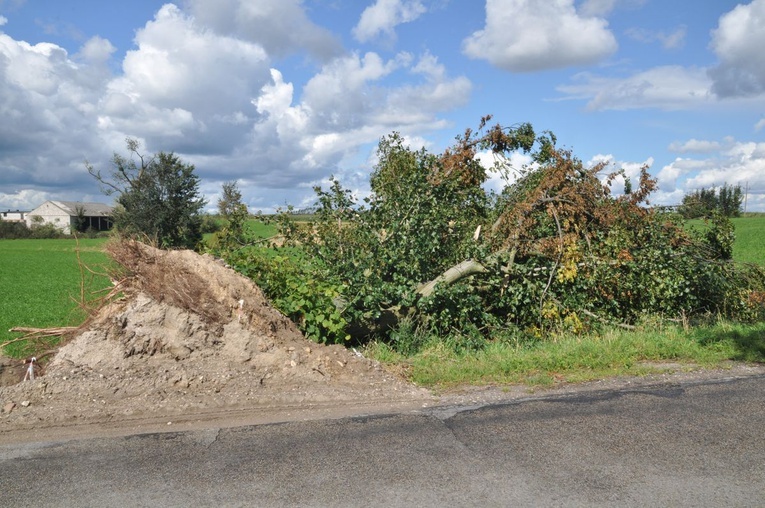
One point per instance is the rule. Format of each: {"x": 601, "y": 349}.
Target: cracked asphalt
{"x": 676, "y": 444}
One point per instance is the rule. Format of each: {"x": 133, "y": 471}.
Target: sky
{"x": 280, "y": 95}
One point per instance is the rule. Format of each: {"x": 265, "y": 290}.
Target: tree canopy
{"x": 157, "y": 197}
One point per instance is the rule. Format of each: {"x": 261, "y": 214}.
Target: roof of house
{"x": 89, "y": 209}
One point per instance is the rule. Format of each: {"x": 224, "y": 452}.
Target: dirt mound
{"x": 189, "y": 334}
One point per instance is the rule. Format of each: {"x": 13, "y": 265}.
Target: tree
{"x": 703, "y": 202}
{"x": 80, "y": 222}
{"x": 230, "y": 200}
{"x": 730, "y": 200}
{"x": 157, "y": 197}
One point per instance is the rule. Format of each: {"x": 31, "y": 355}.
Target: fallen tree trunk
{"x": 452, "y": 275}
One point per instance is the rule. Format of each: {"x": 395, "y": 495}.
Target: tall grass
{"x": 571, "y": 358}
{"x": 41, "y": 282}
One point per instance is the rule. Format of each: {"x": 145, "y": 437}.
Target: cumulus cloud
{"x": 280, "y": 27}
{"x": 738, "y": 41}
{"x": 344, "y": 106}
{"x": 739, "y": 74}
{"x": 527, "y": 36}
{"x": 382, "y": 17}
{"x": 185, "y": 86}
{"x": 207, "y": 84}
{"x": 43, "y": 94}
{"x": 739, "y": 163}
{"x": 611, "y": 164}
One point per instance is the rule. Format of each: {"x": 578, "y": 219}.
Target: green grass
{"x": 40, "y": 282}
{"x": 261, "y": 229}
{"x": 749, "y": 246}
{"x": 576, "y": 359}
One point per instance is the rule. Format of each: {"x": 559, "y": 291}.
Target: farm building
{"x": 66, "y": 214}
{"x": 13, "y": 215}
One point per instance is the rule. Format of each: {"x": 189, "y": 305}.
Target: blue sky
{"x": 280, "y": 94}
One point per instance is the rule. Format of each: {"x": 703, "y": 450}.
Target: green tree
{"x": 230, "y": 200}
{"x": 157, "y": 197}
{"x": 704, "y": 202}
{"x": 730, "y": 200}
{"x": 80, "y": 220}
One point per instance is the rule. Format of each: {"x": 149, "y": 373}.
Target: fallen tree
{"x": 554, "y": 250}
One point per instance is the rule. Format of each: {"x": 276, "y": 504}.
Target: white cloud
{"x": 668, "y": 87}
{"x": 47, "y": 100}
{"x": 206, "y": 84}
{"x": 739, "y": 76}
{"x": 739, "y": 163}
{"x": 344, "y": 107}
{"x": 631, "y": 170}
{"x": 738, "y": 41}
{"x": 3, "y": 20}
{"x": 527, "y": 36}
{"x": 694, "y": 145}
{"x": 502, "y": 172}
{"x": 280, "y": 27}
{"x": 97, "y": 50}
{"x": 760, "y": 124}
{"x": 383, "y": 16}
{"x": 183, "y": 84}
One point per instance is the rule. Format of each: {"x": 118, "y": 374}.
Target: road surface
{"x": 677, "y": 444}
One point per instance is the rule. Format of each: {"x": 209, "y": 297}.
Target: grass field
{"x": 750, "y": 237}
{"x": 40, "y": 282}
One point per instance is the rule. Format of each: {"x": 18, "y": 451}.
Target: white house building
{"x": 65, "y": 214}
{"x": 13, "y": 216}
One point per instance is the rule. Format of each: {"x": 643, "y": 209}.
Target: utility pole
{"x": 746, "y": 195}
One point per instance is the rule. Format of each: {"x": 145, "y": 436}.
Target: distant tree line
{"x": 726, "y": 201}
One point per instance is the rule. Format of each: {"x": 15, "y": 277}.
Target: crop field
{"x": 41, "y": 281}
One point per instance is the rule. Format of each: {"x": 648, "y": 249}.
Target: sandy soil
{"x": 180, "y": 343}
{"x": 192, "y": 343}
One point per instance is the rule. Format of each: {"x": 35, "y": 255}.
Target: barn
{"x": 66, "y": 214}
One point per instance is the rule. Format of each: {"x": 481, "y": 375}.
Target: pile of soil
{"x": 189, "y": 334}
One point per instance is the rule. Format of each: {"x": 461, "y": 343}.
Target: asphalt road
{"x": 697, "y": 444}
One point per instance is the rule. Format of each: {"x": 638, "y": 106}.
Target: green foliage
{"x": 14, "y": 230}
{"x": 289, "y": 284}
{"x": 230, "y": 200}
{"x": 157, "y": 198}
{"x": 429, "y": 253}
{"x": 210, "y": 224}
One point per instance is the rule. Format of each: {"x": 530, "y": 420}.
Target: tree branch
{"x": 452, "y": 275}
